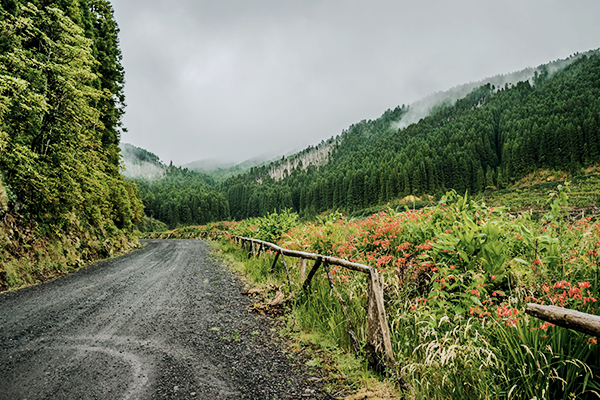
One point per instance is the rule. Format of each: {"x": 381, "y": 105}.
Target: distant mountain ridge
{"x": 208, "y": 165}
{"x": 422, "y": 108}
{"x": 220, "y": 171}
{"x": 140, "y": 163}
{"x": 321, "y": 154}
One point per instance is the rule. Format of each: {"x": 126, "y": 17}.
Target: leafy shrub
{"x": 268, "y": 228}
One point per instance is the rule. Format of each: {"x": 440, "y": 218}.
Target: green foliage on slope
{"x": 183, "y": 197}
{"x": 61, "y": 102}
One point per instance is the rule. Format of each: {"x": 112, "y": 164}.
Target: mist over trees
{"x": 489, "y": 139}
{"x": 173, "y": 195}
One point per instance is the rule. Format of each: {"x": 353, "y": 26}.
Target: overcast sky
{"x": 235, "y": 79}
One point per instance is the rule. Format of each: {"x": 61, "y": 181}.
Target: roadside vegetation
{"x": 458, "y": 277}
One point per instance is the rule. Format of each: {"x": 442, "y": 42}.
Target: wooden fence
{"x": 378, "y": 333}
{"x": 377, "y": 326}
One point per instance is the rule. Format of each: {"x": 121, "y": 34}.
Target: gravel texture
{"x": 163, "y": 322}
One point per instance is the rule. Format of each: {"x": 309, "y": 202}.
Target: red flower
{"x": 561, "y": 284}
{"x": 546, "y": 325}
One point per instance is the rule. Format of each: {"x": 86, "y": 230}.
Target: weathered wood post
{"x": 251, "y": 252}
{"x": 377, "y": 325}
{"x": 312, "y": 272}
{"x": 378, "y": 333}
{"x": 287, "y": 271}
{"x": 274, "y": 262}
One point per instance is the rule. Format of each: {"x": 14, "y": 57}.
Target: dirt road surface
{"x": 163, "y": 322}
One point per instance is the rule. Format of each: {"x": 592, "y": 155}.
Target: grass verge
{"x": 312, "y": 325}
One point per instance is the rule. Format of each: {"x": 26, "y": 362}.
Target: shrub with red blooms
{"x": 463, "y": 264}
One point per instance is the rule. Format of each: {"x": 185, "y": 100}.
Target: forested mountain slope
{"x": 63, "y": 200}
{"x": 490, "y": 138}
{"x": 183, "y": 197}
{"x": 173, "y": 195}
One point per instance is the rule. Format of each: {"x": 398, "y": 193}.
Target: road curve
{"x": 163, "y": 322}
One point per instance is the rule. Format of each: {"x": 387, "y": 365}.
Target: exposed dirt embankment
{"x": 162, "y": 322}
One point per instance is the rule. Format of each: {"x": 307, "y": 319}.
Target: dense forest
{"x": 61, "y": 103}
{"x": 173, "y": 195}
{"x": 489, "y": 139}
{"x": 183, "y": 197}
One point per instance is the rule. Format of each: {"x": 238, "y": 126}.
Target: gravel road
{"x": 163, "y": 322}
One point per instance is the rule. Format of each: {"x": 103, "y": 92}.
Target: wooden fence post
{"x": 378, "y": 340}
{"x": 274, "y": 262}
{"x": 287, "y": 271}
{"x": 251, "y": 252}
{"x": 378, "y": 331}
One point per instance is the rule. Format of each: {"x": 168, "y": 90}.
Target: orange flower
{"x": 546, "y": 325}
{"x": 561, "y": 284}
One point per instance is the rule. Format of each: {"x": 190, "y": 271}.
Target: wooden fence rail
{"x": 378, "y": 333}
{"x": 576, "y": 320}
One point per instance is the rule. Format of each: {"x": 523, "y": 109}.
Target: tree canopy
{"x": 61, "y": 103}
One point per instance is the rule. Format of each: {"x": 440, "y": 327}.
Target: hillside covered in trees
{"x": 63, "y": 200}
{"x": 140, "y": 163}
{"x": 183, "y": 197}
{"x": 489, "y": 139}
{"x": 172, "y": 195}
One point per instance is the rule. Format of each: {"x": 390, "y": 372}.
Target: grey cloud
{"x": 234, "y": 79}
